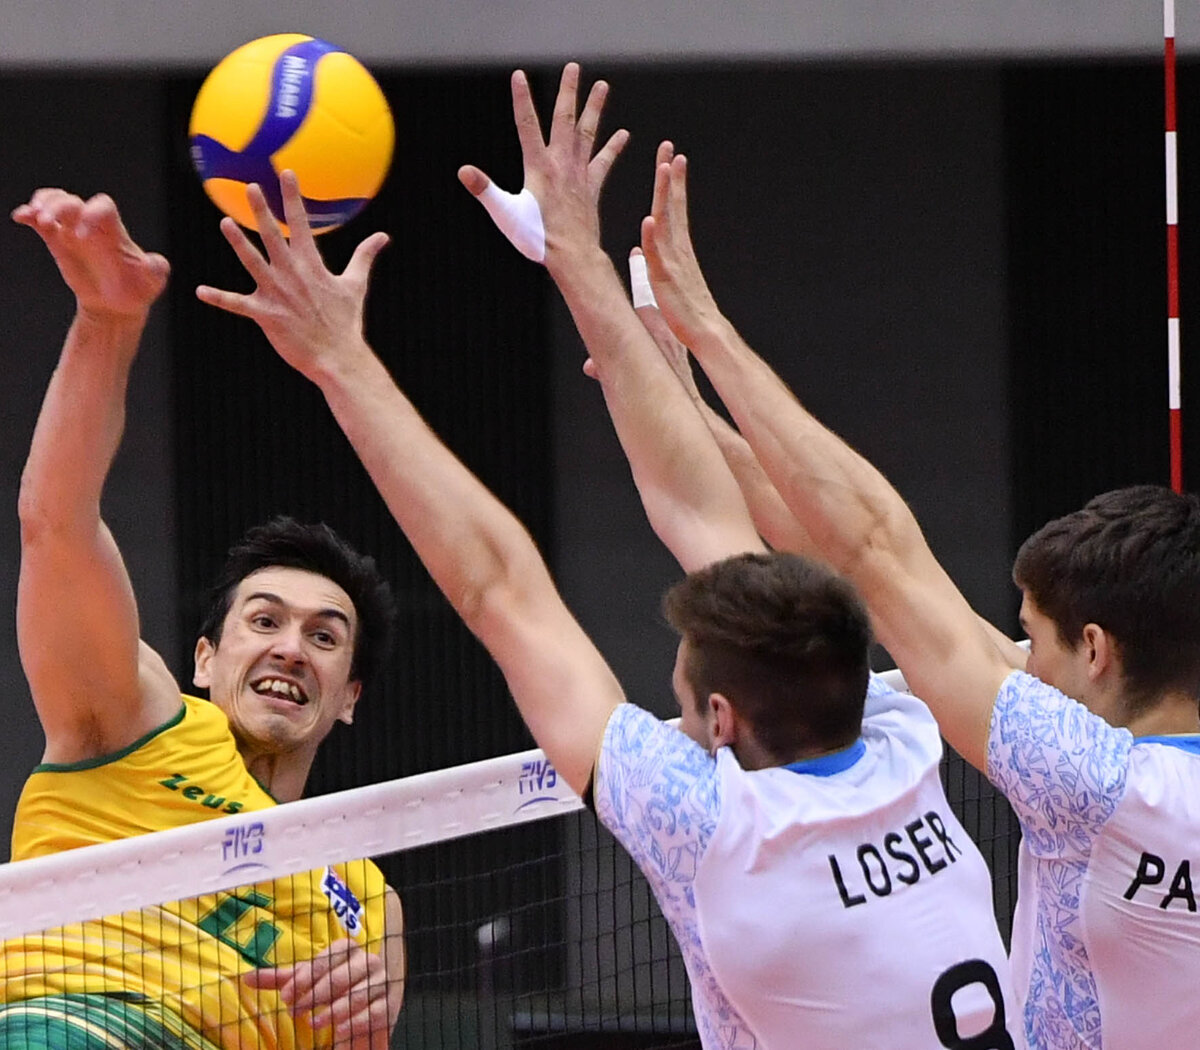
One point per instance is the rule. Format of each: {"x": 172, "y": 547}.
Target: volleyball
{"x": 291, "y": 101}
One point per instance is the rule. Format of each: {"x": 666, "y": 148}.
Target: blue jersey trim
{"x": 827, "y": 765}
{"x": 1185, "y": 742}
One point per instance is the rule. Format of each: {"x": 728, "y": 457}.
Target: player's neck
{"x": 751, "y": 755}
{"x": 282, "y": 776}
{"x": 1174, "y": 714}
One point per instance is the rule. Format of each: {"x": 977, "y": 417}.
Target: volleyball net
{"x": 524, "y": 924}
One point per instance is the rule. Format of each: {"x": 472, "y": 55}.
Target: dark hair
{"x": 785, "y": 640}
{"x": 287, "y": 543}
{"x": 1129, "y": 561}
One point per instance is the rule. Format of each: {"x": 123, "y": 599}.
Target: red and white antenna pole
{"x": 1173, "y": 398}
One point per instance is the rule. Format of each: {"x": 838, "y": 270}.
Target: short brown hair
{"x": 785, "y": 640}
{"x": 1129, "y": 561}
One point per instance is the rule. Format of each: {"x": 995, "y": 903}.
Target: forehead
{"x": 1029, "y": 610}
{"x": 299, "y": 589}
{"x": 1037, "y": 624}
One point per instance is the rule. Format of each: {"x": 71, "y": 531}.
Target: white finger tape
{"x": 639, "y": 283}
{"x": 519, "y": 217}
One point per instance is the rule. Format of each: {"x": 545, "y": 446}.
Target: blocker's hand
{"x": 558, "y": 209}
{"x": 305, "y": 310}
{"x": 111, "y": 276}
{"x": 679, "y": 286}
{"x": 344, "y": 987}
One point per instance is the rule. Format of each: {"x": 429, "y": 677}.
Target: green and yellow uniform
{"x": 168, "y": 976}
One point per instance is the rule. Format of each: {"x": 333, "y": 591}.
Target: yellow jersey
{"x": 186, "y": 955}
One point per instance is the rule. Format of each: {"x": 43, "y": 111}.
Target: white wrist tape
{"x": 639, "y": 283}
{"x": 519, "y": 217}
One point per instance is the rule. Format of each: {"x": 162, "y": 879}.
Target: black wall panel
{"x": 1088, "y": 300}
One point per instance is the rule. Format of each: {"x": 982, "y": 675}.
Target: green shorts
{"x": 95, "y": 1022}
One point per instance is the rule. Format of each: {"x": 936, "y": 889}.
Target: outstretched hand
{"x": 111, "y": 276}
{"x": 558, "y": 208}
{"x": 679, "y": 285}
{"x": 305, "y": 310}
{"x": 344, "y": 987}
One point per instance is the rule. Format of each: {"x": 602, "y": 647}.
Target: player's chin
{"x": 276, "y": 729}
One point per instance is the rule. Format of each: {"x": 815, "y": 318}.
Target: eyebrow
{"x": 325, "y": 614}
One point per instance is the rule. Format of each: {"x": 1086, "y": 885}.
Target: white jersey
{"x": 1106, "y": 940}
{"x": 831, "y": 904}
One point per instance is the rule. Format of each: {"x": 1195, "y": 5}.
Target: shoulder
{"x": 633, "y": 728}
{"x": 101, "y": 732}
{"x": 1028, "y": 712}
{"x": 1063, "y": 769}
{"x": 205, "y": 712}
{"x": 658, "y": 792}
{"x": 901, "y": 718}
{"x": 646, "y": 763}
{"x": 637, "y": 741}
{"x": 883, "y": 699}
{"x": 1165, "y": 772}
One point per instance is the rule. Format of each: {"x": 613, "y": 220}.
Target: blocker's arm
{"x": 474, "y": 548}
{"x": 853, "y": 515}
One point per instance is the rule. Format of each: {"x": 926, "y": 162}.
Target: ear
{"x": 1101, "y": 651}
{"x": 353, "y": 692}
{"x": 724, "y": 722}
{"x": 202, "y": 676}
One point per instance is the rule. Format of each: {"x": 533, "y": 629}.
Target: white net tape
{"x": 232, "y": 851}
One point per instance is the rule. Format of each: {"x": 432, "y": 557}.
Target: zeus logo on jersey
{"x": 879, "y": 876}
{"x": 198, "y": 794}
{"x": 341, "y": 899}
{"x": 1151, "y": 871}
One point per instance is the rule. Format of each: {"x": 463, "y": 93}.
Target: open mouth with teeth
{"x": 280, "y": 689}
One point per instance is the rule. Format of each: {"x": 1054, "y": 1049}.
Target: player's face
{"x": 1050, "y": 659}
{"x": 281, "y": 671}
{"x": 691, "y": 722}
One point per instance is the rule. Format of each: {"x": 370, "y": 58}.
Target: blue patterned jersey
{"x": 832, "y": 904}
{"x": 1106, "y": 939}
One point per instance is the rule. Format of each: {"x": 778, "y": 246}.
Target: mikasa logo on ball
{"x": 294, "y": 70}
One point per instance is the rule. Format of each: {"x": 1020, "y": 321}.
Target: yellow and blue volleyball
{"x": 291, "y": 101}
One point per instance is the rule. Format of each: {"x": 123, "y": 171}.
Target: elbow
{"x": 43, "y": 518}
{"x": 32, "y": 513}
{"x": 493, "y": 597}
{"x": 879, "y": 545}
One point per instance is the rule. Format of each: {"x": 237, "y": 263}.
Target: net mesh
{"x": 538, "y": 931}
